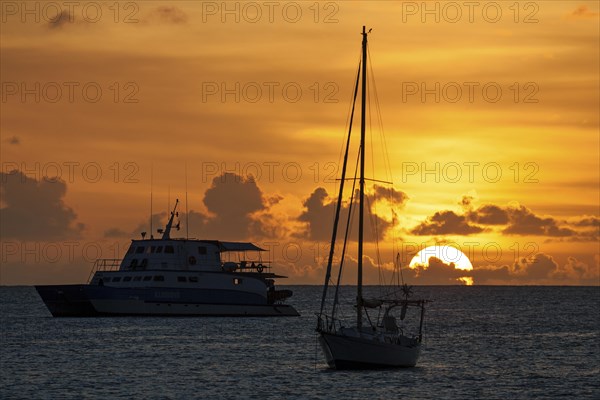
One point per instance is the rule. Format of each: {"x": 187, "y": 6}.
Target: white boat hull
{"x": 350, "y": 352}
{"x": 95, "y": 300}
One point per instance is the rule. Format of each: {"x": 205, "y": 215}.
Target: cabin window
{"x": 169, "y": 250}
{"x": 237, "y": 281}
{"x": 181, "y": 279}
{"x": 116, "y": 279}
{"x": 152, "y": 248}
{"x": 159, "y": 249}
{"x": 133, "y": 263}
{"x": 127, "y": 279}
{"x": 144, "y": 263}
{"x": 159, "y": 278}
{"x": 201, "y": 250}
{"x": 139, "y": 250}
{"x": 193, "y": 279}
{"x": 147, "y": 278}
{"x": 137, "y": 278}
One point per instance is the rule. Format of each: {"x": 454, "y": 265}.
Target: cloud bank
{"x": 36, "y": 210}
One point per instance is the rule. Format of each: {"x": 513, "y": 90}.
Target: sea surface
{"x": 480, "y": 343}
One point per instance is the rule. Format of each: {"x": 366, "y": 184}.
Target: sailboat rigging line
{"x": 369, "y": 318}
{"x": 375, "y": 233}
{"x": 316, "y": 350}
{"x": 339, "y": 199}
{"x": 347, "y": 127}
{"x": 347, "y": 233}
{"x": 372, "y": 207}
{"x": 367, "y": 179}
{"x": 187, "y": 219}
{"x": 399, "y": 267}
{"x": 350, "y": 113}
{"x": 386, "y": 156}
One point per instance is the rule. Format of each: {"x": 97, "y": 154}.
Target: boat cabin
{"x": 192, "y": 255}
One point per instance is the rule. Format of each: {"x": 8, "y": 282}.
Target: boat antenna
{"x": 187, "y": 215}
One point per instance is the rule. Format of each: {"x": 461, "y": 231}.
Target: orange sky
{"x": 467, "y": 92}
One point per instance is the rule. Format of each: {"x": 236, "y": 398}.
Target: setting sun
{"x": 447, "y": 254}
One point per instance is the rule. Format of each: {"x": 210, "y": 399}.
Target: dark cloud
{"x": 237, "y": 210}
{"x": 319, "y": 213}
{"x": 269, "y": 226}
{"x": 576, "y": 270}
{"x": 115, "y": 233}
{"x": 538, "y": 267}
{"x": 60, "y": 20}
{"x": 389, "y": 193}
{"x": 541, "y": 269}
{"x": 467, "y": 201}
{"x": 583, "y": 12}
{"x": 13, "y": 140}
{"x": 488, "y": 214}
{"x": 233, "y": 197}
{"x": 35, "y": 210}
{"x": 492, "y": 275}
{"x": 513, "y": 220}
{"x": 522, "y": 221}
{"x": 167, "y": 15}
{"x": 588, "y": 221}
{"x": 371, "y": 270}
{"x": 446, "y": 223}
{"x": 159, "y": 221}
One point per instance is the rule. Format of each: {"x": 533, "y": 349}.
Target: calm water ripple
{"x": 481, "y": 342}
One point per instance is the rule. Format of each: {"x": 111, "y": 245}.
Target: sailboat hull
{"x": 346, "y": 352}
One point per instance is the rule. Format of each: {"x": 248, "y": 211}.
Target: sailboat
{"x": 376, "y": 340}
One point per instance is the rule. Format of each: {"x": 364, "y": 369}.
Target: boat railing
{"x": 105, "y": 264}
{"x": 248, "y": 266}
{"x": 326, "y": 323}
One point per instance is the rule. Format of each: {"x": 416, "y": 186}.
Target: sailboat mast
{"x": 359, "y": 299}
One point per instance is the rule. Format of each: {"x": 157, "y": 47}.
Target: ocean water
{"x": 480, "y": 342}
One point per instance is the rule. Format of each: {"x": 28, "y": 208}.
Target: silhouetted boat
{"x": 377, "y": 342}
{"x": 170, "y": 276}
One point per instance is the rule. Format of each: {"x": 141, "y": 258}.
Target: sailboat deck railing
{"x": 326, "y": 323}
